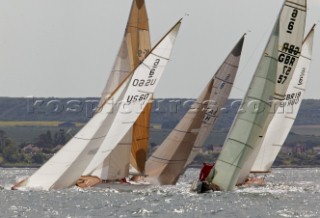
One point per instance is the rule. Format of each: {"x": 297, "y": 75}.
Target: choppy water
{"x": 289, "y": 193}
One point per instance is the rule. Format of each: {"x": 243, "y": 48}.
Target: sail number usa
{"x": 150, "y": 81}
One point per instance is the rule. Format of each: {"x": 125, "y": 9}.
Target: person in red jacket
{"x": 205, "y": 170}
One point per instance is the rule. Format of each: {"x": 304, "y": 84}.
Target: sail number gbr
{"x": 287, "y": 56}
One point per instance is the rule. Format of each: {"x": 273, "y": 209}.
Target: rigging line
{"x": 251, "y": 56}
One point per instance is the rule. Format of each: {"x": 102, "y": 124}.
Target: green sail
{"x": 250, "y": 119}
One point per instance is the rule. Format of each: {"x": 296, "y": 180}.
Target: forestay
{"x": 168, "y": 162}
{"x": 285, "y": 116}
{"x": 291, "y": 30}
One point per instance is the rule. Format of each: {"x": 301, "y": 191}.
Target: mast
{"x": 285, "y": 116}
{"x": 168, "y": 162}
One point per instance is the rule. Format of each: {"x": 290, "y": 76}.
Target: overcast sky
{"x": 66, "y": 48}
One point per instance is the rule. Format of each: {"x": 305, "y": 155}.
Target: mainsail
{"x": 168, "y": 162}
{"x": 285, "y": 116}
{"x": 135, "y": 46}
{"x": 291, "y": 33}
{"x": 250, "y": 118}
{"x": 92, "y": 144}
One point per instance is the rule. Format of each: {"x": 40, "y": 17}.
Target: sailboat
{"x": 254, "y": 115}
{"x": 133, "y": 148}
{"x": 179, "y": 149}
{"x": 285, "y": 116}
{"x": 248, "y": 122}
{"x": 291, "y": 34}
{"x": 97, "y": 139}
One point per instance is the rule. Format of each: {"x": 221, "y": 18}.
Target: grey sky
{"x": 66, "y": 48}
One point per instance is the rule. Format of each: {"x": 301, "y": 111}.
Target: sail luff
{"x": 142, "y": 86}
{"x": 291, "y": 30}
{"x": 250, "y": 118}
{"x": 168, "y": 162}
{"x": 285, "y": 116}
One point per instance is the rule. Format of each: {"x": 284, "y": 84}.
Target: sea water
{"x": 288, "y": 193}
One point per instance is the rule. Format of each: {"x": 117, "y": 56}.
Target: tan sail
{"x": 134, "y": 48}
{"x": 179, "y": 149}
{"x": 167, "y": 162}
{"x": 140, "y": 140}
{"x": 139, "y": 29}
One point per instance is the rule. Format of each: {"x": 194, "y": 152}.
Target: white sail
{"x": 285, "y": 116}
{"x": 116, "y": 164}
{"x": 65, "y": 167}
{"x": 291, "y": 31}
{"x": 248, "y": 123}
{"x": 142, "y": 86}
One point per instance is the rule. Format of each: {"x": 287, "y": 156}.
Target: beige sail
{"x": 140, "y": 38}
{"x": 168, "y": 162}
{"x": 134, "y": 48}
